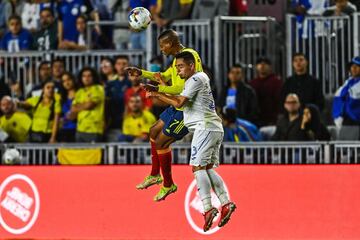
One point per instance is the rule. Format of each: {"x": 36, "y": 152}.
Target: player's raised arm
{"x": 166, "y": 76}
{"x": 176, "y": 101}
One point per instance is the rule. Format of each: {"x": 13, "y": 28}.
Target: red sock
{"x": 165, "y": 165}
{"x": 155, "y": 164}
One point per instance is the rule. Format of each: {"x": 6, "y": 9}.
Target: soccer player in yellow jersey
{"x": 170, "y": 127}
{"x": 15, "y": 124}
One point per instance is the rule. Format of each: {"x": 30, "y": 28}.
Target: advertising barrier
{"x": 101, "y": 202}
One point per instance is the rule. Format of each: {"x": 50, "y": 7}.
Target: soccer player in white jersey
{"x": 200, "y": 118}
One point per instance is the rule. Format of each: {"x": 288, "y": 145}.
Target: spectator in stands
{"x": 57, "y": 69}
{"x": 4, "y": 89}
{"x": 312, "y": 126}
{"x": 238, "y": 8}
{"x": 88, "y": 107}
{"x": 239, "y": 95}
{"x": 209, "y": 9}
{"x": 136, "y": 89}
{"x": 81, "y": 42}
{"x": 267, "y": 86}
{"x": 288, "y": 127}
{"x": 13, "y": 7}
{"x": 67, "y": 130}
{"x": 30, "y": 15}
{"x": 138, "y": 39}
{"x": 46, "y": 38}
{"x": 17, "y": 38}
{"x": 341, "y": 8}
{"x": 107, "y": 70}
{"x": 68, "y": 12}
{"x": 346, "y": 105}
{"x": 137, "y": 121}
{"x": 308, "y": 88}
{"x": 115, "y": 91}
{"x": 44, "y": 76}
{"x": 2, "y": 18}
{"x": 16, "y": 124}
{"x": 172, "y": 10}
{"x": 238, "y": 130}
{"x": 46, "y": 110}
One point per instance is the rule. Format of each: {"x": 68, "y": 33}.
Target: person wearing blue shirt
{"x": 346, "y": 105}
{"x": 16, "y": 38}
{"x": 238, "y": 130}
{"x": 138, "y": 39}
{"x": 68, "y": 12}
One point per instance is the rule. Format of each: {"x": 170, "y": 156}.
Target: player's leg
{"x": 173, "y": 130}
{"x": 154, "y": 177}
{"x": 164, "y": 153}
{"x": 227, "y": 207}
{"x": 201, "y": 146}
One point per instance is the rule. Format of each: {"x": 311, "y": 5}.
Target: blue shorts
{"x": 174, "y": 123}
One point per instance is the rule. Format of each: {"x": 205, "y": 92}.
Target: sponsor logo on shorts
{"x": 19, "y": 204}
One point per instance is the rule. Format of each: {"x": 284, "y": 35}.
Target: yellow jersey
{"x": 41, "y": 115}
{"x": 17, "y": 126}
{"x": 136, "y": 126}
{"x": 177, "y": 84}
{"x": 91, "y": 121}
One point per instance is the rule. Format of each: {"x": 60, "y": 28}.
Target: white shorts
{"x": 205, "y": 147}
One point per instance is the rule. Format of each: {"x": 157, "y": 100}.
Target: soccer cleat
{"x": 149, "y": 181}
{"x": 226, "y": 212}
{"x": 209, "y": 217}
{"x": 164, "y": 192}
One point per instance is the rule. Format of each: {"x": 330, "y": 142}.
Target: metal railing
{"x": 231, "y": 153}
{"x": 242, "y": 40}
{"x": 356, "y": 20}
{"x": 22, "y": 66}
{"x": 328, "y": 44}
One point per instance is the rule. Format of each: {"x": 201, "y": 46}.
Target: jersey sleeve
{"x": 32, "y": 101}
{"x": 192, "y": 87}
{"x": 150, "y": 75}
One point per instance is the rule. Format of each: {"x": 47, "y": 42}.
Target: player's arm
{"x": 165, "y": 76}
{"x": 176, "y": 101}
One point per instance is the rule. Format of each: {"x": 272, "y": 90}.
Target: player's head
{"x": 300, "y": 63}
{"x": 135, "y": 104}
{"x": 169, "y": 42}
{"x": 7, "y": 105}
{"x": 46, "y": 17}
{"x": 185, "y": 64}
{"x": 292, "y": 103}
{"x": 14, "y": 24}
{"x": 355, "y": 67}
{"x": 235, "y": 74}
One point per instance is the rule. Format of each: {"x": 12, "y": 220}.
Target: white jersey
{"x": 199, "y": 111}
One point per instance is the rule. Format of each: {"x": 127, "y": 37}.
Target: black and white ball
{"x": 139, "y": 18}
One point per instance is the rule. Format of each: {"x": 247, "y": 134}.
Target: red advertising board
{"x": 101, "y": 202}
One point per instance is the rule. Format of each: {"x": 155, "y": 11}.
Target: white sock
{"x": 204, "y": 187}
{"x": 218, "y": 186}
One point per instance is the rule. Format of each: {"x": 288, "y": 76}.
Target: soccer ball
{"x": 11, "y": 156}
{"x": 139, "y": 18}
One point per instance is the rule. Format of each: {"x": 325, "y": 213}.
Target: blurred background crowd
{"x": 104, "y": 104}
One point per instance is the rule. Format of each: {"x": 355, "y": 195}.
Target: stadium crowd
{"x": 106, "y": 104}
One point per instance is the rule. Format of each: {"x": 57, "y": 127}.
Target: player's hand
{"x": 150, "y": 88}
{"x": 151, "y": 94}
{"x": 133, "y": 71}
{"x": 159, "y": 78}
